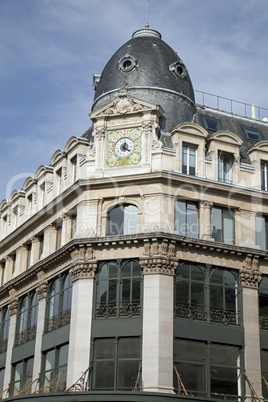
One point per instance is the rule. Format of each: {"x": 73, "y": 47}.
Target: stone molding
{"x": 83, "y": 270}
{"x": 99, "y": 133}
{"x": 13, "y": 306}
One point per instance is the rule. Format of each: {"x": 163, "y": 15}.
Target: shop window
{"x": 26, "y": 319}
{"x": 186, "y": 218}
{"x": 264, "y": 176}
{"x": 54, "y": 364}
{"x": 119, "y": 289}
{"x": 223, "y": 225}
{"x": 59, "y": 301}
{"x": 207, "y": 293}
{"x": 224, "y": 167}
{"x": 208, "y": 370}
{"x": 263, "y": 302}
{"x": 4, "y": 328}
{"x": 116, "y": 363}
{"x": 224, "y": 297}
{"x": 21, "y": 377}
{"x": 123, "y": 220}
{"x": 188, "y": 160}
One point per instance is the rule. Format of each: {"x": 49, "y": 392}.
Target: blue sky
{"x": 50, "y": 49}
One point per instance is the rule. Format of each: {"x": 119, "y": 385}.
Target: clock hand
{"x": 125, "y": 146}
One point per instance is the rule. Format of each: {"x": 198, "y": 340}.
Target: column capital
{"x": 34, "y": 239}
{"x": 41, "y": 290}
{"x": 83, "y": 269}
{"x": 13, "y": 306}
{"x": 206, "y": 204}
{"x": 159, "y": 265}
{"x": 249, "y": 274}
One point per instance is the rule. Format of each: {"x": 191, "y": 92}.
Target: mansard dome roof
{"x": 152, "y": 71}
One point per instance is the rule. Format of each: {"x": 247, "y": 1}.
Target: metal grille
{"x": 58, "y": 321}
{"x": 25, "y": 336}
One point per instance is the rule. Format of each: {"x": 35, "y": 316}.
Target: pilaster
{"x": 66, "y": 229}
{"x": 35, "y": 251}
{"x": 159, "y": 266}
{"x": 49, "y": 240}
{"x": 87, "y": 218}
{"x": 83, "y": 270}
{"x": 205, "y": 220}
{"x": 21, "y": 258}
{"x": 250, "y": 278}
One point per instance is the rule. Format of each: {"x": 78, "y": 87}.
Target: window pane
{"x": 264, "y": 369}
{"x": 130, "y": 219}
{"x": 260, "y": 232}
{"x": 105, "y": 348}
{"x": 116, "y": 221}
{"x": 112, "y": 290}
{"x": 127, "y": 374}
{"x": 217, "y": 224}
{"x": 192, "y": 220}
{"x": 50, "y": 360}
{"x": 224, "y": 355}
{"x": 180, "y": 218}
{"x": 189, "y": 351}
{"x": 63, "y": 355}
{"x": 126, "y": 290}
{"x": 197, "y": 273}
{"x": 217, "y": 276}
{"x": 228, "y": 227}
{"x": 216, "y": 297}
{"x": 184, "y": 159}
{"x": 193, "y": 377}
{"x": 192, "y": 152}
{"x": 104, "y": 375}
{"x": 136, "y": 290}
{"x": 197, "y": 294}
{"x": 229, "y": 278}
{"x": 182, "y": 293}
{"x": 129, "y": 348}
{"x": 126, "y": 272}
{"x": 230, "y": 299}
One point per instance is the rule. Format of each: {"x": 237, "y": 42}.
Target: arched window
{"x": 190, "y": 292}
{"x": 118, "y": 289}
{"x": 122, "y": 219}
{"x": 4, "y": 328}
{"x": 263, "y": 303}
{"x": 224, "y": 297}
{"x": 26, "y": 318}
{"x": 59, "y": 300}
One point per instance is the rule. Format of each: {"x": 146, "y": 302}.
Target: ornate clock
{"x": 124, "y": 147}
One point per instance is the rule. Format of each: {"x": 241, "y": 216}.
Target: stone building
{"x": 138, "y": 256}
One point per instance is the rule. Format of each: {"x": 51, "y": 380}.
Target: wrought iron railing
{"x": 263, "y": 322}
{"x": 58, "y": 321}
{"x": 201, "y": 313}
{"x": 25, "y": 336}
{"x": 111, "y": 310}
{"x": 230, "y": 105}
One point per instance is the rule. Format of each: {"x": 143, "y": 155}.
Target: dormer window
{"x": 188, "y": 160}
{"x": 253, "y": 135}
{"x": 74, "y": 168}
{"x": 264, "y": 176}
{"x": 224, "y": 167}
{"x": 212, "y": 125}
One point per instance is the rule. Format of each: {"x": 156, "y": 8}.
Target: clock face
{"x": 124, "y": 147}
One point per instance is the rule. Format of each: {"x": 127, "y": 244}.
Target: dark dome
{"x": 151, "y": 71}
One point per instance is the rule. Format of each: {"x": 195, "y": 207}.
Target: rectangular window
{"x": 186, "y": 218}
{"x": 208, "y": 370}
{"x": 74, "y": 168}
{"x": 54, "y": 364}
{"x": 224, "y": 167}
{"x": 264, "y": 176}
{"x": 21, "y": 377}
{"x": 223, "y": 225}
{"x": 261, "y": 232}
{"x": 212, "y": 125}
{"x": 116, "y": 363}
{"x": 188, "y": 160}
{"x": 253, "y": 135}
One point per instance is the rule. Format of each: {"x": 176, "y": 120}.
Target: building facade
{"x": 134, "y": 266}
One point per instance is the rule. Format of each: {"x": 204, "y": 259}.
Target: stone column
{"x": 8, "y": 269}
{"x": 99, "y": 133}
{"x": 83, "y": 272}
{"x": 250, "y": 278}
{"x": 41, "y": 290}
{"x": 66, "y": 229}
{"x": 11, "y": 337}
{"x": 21, "y": 258}
{"x": 205, "y": 220}
{"x": 35, "y": 251}
{"x": 157, "y": 339}
{"x": 49, "y": 240}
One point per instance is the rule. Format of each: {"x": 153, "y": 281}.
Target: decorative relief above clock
{"x": 124, "y": 147}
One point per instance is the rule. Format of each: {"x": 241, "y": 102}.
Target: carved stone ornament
{"x": 42, "y": 290}
{"x": 123, "y": 104}
{"x": 83, "y": 270}
{"x": 99, "y": 133}
{"x": 92, "y": 152}
{"x": 250, "y": 279}
{"x": 159, "y": 265}
{"x": 13, "y": 306}
{"x": 156, "y": 145}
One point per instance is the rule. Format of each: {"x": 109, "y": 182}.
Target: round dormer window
{"x": 127, "y": 63}
{"x": 178, "y": 68}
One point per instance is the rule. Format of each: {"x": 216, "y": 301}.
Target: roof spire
{"x": 147, "y": 18}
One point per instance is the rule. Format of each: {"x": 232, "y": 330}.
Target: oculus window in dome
{"x": 127, "y": 63}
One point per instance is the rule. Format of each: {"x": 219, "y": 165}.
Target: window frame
{"x": 264, "y": 176}
{"x": 225, "y": 167}
{"x": 188, "y": 151}
{"x": 26, "y": 320}
{"x": 55, "y": 369}
{"x": 178, "y": 227}
{"x": 226, "y": 214}
{"x": 123, "y": 220}
{"x": 24, "y": 377}
{"x": 4, "y": 328}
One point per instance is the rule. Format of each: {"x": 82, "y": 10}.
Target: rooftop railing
{"x": 231, "y": 106}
